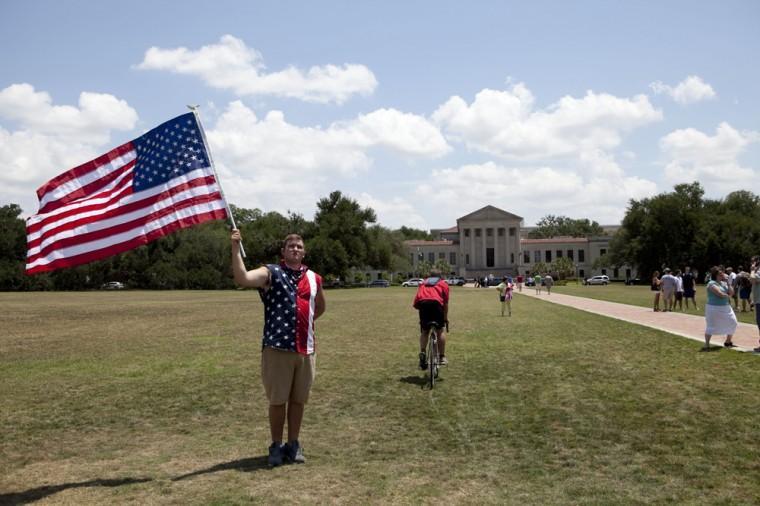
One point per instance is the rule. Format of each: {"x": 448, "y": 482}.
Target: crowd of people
{"x": 726, "y": 290}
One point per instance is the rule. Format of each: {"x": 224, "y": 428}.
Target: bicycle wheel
{"x": 432, "y": 358}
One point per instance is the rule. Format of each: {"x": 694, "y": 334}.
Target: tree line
{"x": 342, "y": 238}
{"x": 682, "y": 227}
{"x": 672, "y": 229}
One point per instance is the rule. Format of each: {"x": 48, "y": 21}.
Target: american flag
{"x": 142, "y": 190}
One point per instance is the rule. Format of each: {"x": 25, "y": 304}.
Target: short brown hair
{"x": 715, "y": 271}
{"x": 289, "y": 238}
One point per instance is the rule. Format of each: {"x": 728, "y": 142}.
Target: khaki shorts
{"x": 287, "y": 375}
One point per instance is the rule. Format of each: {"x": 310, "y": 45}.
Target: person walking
{"x": 505, "y": 294}
{"x": 537, "y": 282}
{"x": 754, "y": 276}
{"x": 689, "y": 287}
{"x": 668, "y": 284}
{"x": 679, "y": 291}
{"x": 731, "y": 280}
{"x": 744, "y": 286}
{"x": 719, "y": 317}
{"x": 519, "y": 282}
{"x": 655, "y": 288}
{"x": 549, "y": 283}
{"x": 293, "y": 300}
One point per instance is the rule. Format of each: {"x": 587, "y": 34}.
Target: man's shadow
{"x": 421, "y": 381}
{"x": 35, "y": 494}
{"x": 246, "y": 465}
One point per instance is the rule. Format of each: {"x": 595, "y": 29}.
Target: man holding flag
{"x": 293, "y": 300}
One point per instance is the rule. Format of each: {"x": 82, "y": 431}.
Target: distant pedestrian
{"x": 655, "y": 288}
{"x": 505, "y": 289}
{"x": 754, "y": 276}
{"x": 519, "y": 282}
{"x": 668, "y": 284}
{"x": 744, "y": 286}
{"x": 719, "y": 317}
{"x": 549, "y": 283}
{"x": 679, "y": 291}
{"x": 689, "y": 287}
{"x": 731, "y": 280}
{"x": 537, "y": 283}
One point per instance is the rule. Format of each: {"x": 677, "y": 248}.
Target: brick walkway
{"x": 691, "y": 326}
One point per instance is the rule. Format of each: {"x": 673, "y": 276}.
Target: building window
{"x": 501, "y": 232}
{"x": 602, "y": 251}
{"x": 511, "y": 258}
{"x": 537, "y": 256}
{"x": 477, "y": 232}
{"x": 467, "y": 232}
{"x": 616, "y": 273}
{"x": 559, "y": 253}
{"x": 489, "y": 256}
{"x": 489, "y": 232}
{"x": 581, "y": 274}
{"x": 526, "y": 257}
{"x": 511, "y": 231}
{"x": 411, "y": 258}
{"x": 441, "y": 256}
{"x": 548, "y": 255}
{"x": 431, "y": 257}
{"x": 467, "y": 259}
{"x": 452, "y": 258}
{"x": 604, "y": 272}
{"x": 570, "y": 254}
{"x": 581, "y": 255}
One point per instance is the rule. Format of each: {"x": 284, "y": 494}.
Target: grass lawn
{"x": 155, "y": 397}
{"x": 642, "y": 296}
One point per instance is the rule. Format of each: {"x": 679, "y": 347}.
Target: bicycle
{"x": 433, "y": 356}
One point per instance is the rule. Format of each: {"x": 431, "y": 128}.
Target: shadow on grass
{"x": 35, "y": 494}
{"x": 244, "y": 465}
{"x": 421, "y": 381}
{"x": 710, "y": 349}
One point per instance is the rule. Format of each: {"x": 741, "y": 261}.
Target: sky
{"x": 424, "y": 111}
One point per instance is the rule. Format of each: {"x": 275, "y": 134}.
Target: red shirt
{"x": 438, "y": 292}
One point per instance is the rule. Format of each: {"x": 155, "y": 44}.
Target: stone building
{"x": 493, "y": 241}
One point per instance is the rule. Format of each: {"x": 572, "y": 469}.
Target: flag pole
{"x": 194, "y": 109}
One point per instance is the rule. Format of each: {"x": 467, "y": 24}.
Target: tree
{"x": 564, "y": 267}
{"x": 556, "y": 226}
{"x": 341, "y": 237}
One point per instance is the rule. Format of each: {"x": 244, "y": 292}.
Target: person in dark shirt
{"x": 689, "y": 287}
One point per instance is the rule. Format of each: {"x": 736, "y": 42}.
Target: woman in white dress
{"x": 719, "y": 317}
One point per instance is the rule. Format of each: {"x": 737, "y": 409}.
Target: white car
{"x": 112, "y": 285}
{"x": 412, "y": 282}
{"x": 598, "y": 280}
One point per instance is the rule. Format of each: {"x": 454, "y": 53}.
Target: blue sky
{"x": 424, "y": 111}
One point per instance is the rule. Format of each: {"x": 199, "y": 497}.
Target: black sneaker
{"x": 756, "y": 350}
{"x": 423, "y": 361}
{"x": 293, "y": 452}
{"x": 275, "y": 455}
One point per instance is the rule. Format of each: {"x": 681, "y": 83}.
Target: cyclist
{"x": 432, "y": 302}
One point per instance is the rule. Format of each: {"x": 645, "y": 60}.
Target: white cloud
{"x": 531, "y": 192}
{"x": 231, "y": 65}
{"x": 272, "y": 164}
{"x": 91, "y": 122}
{"x": 394, "y": 212}
{"x": 690, "y": 90}
{"x": 711, "y": 160}
{"x": 50, "y": 139}
{"x": 505, "y": 123}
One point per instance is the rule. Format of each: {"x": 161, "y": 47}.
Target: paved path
{"x": 686, "y": 325}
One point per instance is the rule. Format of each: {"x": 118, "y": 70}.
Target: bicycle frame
{"x": 433, "y": 354}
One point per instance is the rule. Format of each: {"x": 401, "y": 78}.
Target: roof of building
{"x": 556, "y": 240}
{"x": 417, "y": 242}
{"x": 490, "y": 212}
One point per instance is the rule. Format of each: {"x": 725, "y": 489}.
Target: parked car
{"x": 598, "y": 280}
{"x": 112, "y": 285}
{"x": 456, "y": 281}
{"x": 412, "y": 282}
{"x": 633, "y": 281}
{"x": 380, "y": 283}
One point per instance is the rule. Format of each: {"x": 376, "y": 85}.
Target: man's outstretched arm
{"x": 256, "y": 278}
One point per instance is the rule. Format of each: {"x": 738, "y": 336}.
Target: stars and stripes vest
{"x": 289, "y": 306}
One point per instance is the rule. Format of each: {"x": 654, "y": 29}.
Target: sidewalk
{"x": 685, "y": 325}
